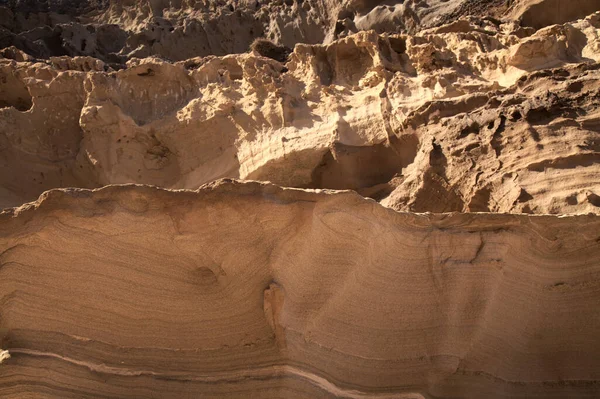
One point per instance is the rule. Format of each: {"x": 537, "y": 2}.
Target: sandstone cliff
{"x": 247, "y": 289}
{"x": 472, "y": 116}
{"x": 402, "y": 204}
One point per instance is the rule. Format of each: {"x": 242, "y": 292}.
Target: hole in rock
{"x": 398, "y": 44}
{"x": 480, "y": 201}
{"x": 471, "y": 147}
{"x": 353, "y": 167}
{"x": 575, "y": 87}
{"x": 572, "y": 199}
{"x": 594, "y": 199}
{"x": 539, "y": 116}
{"x": 14, "y": 93}
{"x": 339, "y": 27}
{"x": 268, "y": 49}
{"x": 473, "y": 128}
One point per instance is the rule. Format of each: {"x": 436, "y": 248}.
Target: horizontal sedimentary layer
{"x": 253, "y": 290}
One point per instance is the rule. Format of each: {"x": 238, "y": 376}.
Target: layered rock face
{"x": 250, "y": 290}
{"x": 392, "y": 200}
{"x": 477, "y": 115}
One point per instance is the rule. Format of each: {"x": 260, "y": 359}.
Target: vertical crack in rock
{"x": 273, "y": 306}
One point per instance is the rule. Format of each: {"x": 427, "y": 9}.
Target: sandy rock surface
{"x": 247, "y": 289}
{"x": 387, "y": 199}
{"x": 475, "y": 115}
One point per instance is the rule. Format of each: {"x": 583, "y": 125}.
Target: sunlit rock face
{"x": 243, "y": 289}
{"x": 385, "y": 200}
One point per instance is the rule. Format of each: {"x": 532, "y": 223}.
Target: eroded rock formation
{"x": 471, "y": 116}
{"x": 155, "y": 267}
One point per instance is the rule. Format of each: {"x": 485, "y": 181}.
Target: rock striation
{"x": 476, "y": 115}
{"x": 247, "y": 289}
{"x": 299, "y": 199}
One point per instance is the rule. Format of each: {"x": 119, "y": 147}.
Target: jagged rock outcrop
{"x": 376, "y": 199}
{"x": 115, "y": 31}
{"x": 251, "y": 290}
{"x": 471, "y": 116}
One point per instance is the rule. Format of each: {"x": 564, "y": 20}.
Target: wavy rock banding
{"x": 391, "y": 200}
{"x": 275, "y": 291}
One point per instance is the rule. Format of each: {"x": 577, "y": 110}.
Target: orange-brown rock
{"x": 299, "y": 199}
{"x": 471, "y": 116}
{"x": 252, "y": 290}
